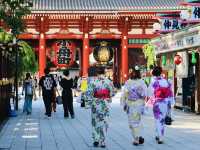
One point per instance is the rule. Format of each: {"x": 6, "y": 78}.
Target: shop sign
{"x": 166, "y": 44}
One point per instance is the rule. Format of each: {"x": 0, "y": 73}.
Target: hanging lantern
{"x": 103, "y": 53}
{"x": 164, "y": 60}
{"x": 194, "y": 60}
{"x": 177, "y": 59}
{"x": 64, "y": 53}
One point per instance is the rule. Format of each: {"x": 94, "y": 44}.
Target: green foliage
{"x": 27, "y": 58}
{"x": 149, "y": 54}
{"x": 5, "y": 37}
{"x": 12, "y": 12}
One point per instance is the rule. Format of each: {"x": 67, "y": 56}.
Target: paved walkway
{"x": 37, "y": 133}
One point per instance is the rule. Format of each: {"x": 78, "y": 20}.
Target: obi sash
{"x": 102, "y": 93}
{"x": 162, "y": 92}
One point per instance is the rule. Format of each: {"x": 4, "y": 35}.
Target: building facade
{"x": 82, "y": 24}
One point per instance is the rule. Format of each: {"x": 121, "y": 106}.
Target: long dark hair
{"x": 157, "y": 70}
{"x": 28, "y": 76}
{"x": 135, "y": 74}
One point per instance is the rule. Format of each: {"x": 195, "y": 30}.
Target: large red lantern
{"x": 64, "y": 53}
{"x": 177, "y": 59}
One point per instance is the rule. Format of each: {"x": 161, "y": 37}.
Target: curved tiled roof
{"x": 105, "y": 5}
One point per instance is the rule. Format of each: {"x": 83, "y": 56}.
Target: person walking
{"x": 161, "y": 95}
{"x": 132, "y": 99}
{"x": 28, "y": 88}
{"x": 98, "y": 96}
{"x": 48, "y": 86}
{"x": 67, "y": 96}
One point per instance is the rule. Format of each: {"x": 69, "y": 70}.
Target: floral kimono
{"x": 161, "y": 96}
{"x": 99, "y": 93}
{"x": 132, "y": 99}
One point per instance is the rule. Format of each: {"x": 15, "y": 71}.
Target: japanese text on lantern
{"x": 64, "y": 54}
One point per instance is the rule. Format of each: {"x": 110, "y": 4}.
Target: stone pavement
{"x": 37, "y": 133}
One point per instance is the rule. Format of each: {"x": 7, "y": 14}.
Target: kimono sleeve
{"x": 144, "y": 88}
{"x": 124, "y": 95}
{"x": 150, "y": 89}
{"x": 89, "y": 92}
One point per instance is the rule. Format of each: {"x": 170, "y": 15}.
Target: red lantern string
{"x": 177, "y": 59}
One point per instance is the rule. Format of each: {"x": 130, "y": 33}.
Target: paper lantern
{"x": 164, "y": 60}
{"x": 177, "y": 59}
{"x": 64, "y": 53}
{"x": 194, "y": 60}
{"x": 103, "y": 53}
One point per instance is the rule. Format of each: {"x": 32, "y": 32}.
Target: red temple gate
{"x": 116, "y": 20}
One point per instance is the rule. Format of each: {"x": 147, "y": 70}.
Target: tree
{"x": 12, "y": 13}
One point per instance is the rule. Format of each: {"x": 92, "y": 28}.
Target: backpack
{"x": 29, "y": 89}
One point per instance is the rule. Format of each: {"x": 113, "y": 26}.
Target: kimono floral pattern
{"x": 99, "y": 107}
{"x": 161, "y": 107}
{"x": 132, "y": 99}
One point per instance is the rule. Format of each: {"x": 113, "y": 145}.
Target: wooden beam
{"x": 105, "y": 36}
{"x": 28, "y": 36}
{"x": 64, "y": 36}
{"x": 142, "y": 36}
{"x": 135, "y": 45}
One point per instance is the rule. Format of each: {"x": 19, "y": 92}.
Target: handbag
{"x": 29, "y": 89}
{"x": 59, "y": 100}
{"x": 168, "y": 120}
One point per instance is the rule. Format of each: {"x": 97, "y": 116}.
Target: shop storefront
{"x": 179, "y": 56}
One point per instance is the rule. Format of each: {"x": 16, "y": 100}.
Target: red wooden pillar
{"x": 85, "y": 55}
{"x": 42, "y": 54}
{"x": 124, "y": 53}
{"x": 80, "y": 62}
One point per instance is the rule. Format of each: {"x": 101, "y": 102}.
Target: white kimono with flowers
{"x": 161, "y": 106}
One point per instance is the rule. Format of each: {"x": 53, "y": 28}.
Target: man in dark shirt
{"x": 48, "y": 85}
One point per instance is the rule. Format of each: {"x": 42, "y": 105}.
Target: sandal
{"x": 141, "y": 140}
{"x": 160, "y": 142}
{"x": 136, "y": 143}
{"x": 95, "y": 144}
{"x": 103, "y": 145}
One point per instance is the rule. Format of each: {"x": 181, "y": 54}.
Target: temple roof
{"x": 105, "y": 5}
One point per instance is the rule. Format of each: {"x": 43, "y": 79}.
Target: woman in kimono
{"x": 132, "y": 99}
{"x": 161, "y": 95}
{"x": 98, "y": 96}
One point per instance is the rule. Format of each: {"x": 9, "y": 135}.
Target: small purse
{"x": 59, "y": 100}
{"x": 168, "y": 120}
